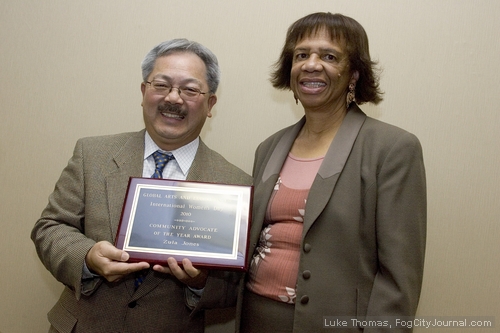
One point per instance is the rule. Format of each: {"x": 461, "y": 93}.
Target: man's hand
{"x": 188, "y": 274}
{"x": 109, "y": 262}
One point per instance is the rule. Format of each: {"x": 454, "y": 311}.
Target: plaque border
{"x": 236, "y": 260}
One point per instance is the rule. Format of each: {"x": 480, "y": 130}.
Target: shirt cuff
{"x": 193, "y": 297}
{"x": 88, "y": 280}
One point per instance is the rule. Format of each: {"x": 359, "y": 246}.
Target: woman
{"x": 339, "y": 216}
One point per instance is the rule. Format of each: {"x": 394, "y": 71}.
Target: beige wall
{"x": 70, "y": 69}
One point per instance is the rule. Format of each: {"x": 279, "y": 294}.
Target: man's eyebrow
{"x": 184, "y": 81}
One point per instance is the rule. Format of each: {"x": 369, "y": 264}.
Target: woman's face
{"x": 320, "y": 72}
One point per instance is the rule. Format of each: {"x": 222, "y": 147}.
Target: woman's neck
{"x": 317, "y": 134}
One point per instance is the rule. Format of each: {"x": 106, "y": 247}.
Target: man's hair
{"x": 179, "y": 46}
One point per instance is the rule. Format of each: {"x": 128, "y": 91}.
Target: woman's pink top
{"x": 273, "y": 270}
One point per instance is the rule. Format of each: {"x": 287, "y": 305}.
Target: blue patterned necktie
{"x": 161, "y": 160}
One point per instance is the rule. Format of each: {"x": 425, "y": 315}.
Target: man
{"x": 75, "y": 233}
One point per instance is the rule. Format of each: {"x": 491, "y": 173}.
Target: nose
{"x": 174, "y": 98}
{"x": 312, "y": 63}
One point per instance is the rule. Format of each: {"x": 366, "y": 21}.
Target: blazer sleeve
{"x": 59, "y": 234}
{"x": 400, "y": 230}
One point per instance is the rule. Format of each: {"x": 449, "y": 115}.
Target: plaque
{"x": 205, "y": 222}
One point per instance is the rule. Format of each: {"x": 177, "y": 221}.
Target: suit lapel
{"x": 129, "y": 162}
{"x": 333, "y": 164}
{"x": 201, "y": 164}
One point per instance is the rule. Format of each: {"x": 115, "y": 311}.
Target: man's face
{"x": 170, "y": 120}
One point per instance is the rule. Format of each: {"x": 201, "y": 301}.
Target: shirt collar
{"x": 184, "y": 156}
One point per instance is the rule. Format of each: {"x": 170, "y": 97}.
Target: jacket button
{"x": 132, "y": 304}
{"x": 307, "y": 247}
{"x": 306, "y": 274}
{"x": 304, "y": 299}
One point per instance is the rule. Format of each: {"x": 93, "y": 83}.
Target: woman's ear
{"x": 355, "y": 76}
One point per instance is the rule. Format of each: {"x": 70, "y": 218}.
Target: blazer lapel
{"x": 129, "y": 162}
{"x": 270, "y": 176}
{"x": 281, "y": 151}
{"x": 201, "y": 164}
{"x": 333, "y": 164}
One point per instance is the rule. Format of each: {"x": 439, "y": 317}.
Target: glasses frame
{"x": 180, "y": 90}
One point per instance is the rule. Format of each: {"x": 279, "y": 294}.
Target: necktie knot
{"x": 161, "y": 160}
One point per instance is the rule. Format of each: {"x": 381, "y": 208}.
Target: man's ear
{"x": 211, "y": 102}
{"x": 143, "y": 91}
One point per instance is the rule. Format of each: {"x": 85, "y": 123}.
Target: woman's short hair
{"x": 339, "y": 27}
{"x": 184, "y": 45}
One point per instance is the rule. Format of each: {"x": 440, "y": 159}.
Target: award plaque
{"x": 204, "y": 222}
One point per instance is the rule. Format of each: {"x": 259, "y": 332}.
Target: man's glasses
{"x": 186, "y": 93}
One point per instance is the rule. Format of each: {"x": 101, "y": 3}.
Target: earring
{"x": 351, "y": 94}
